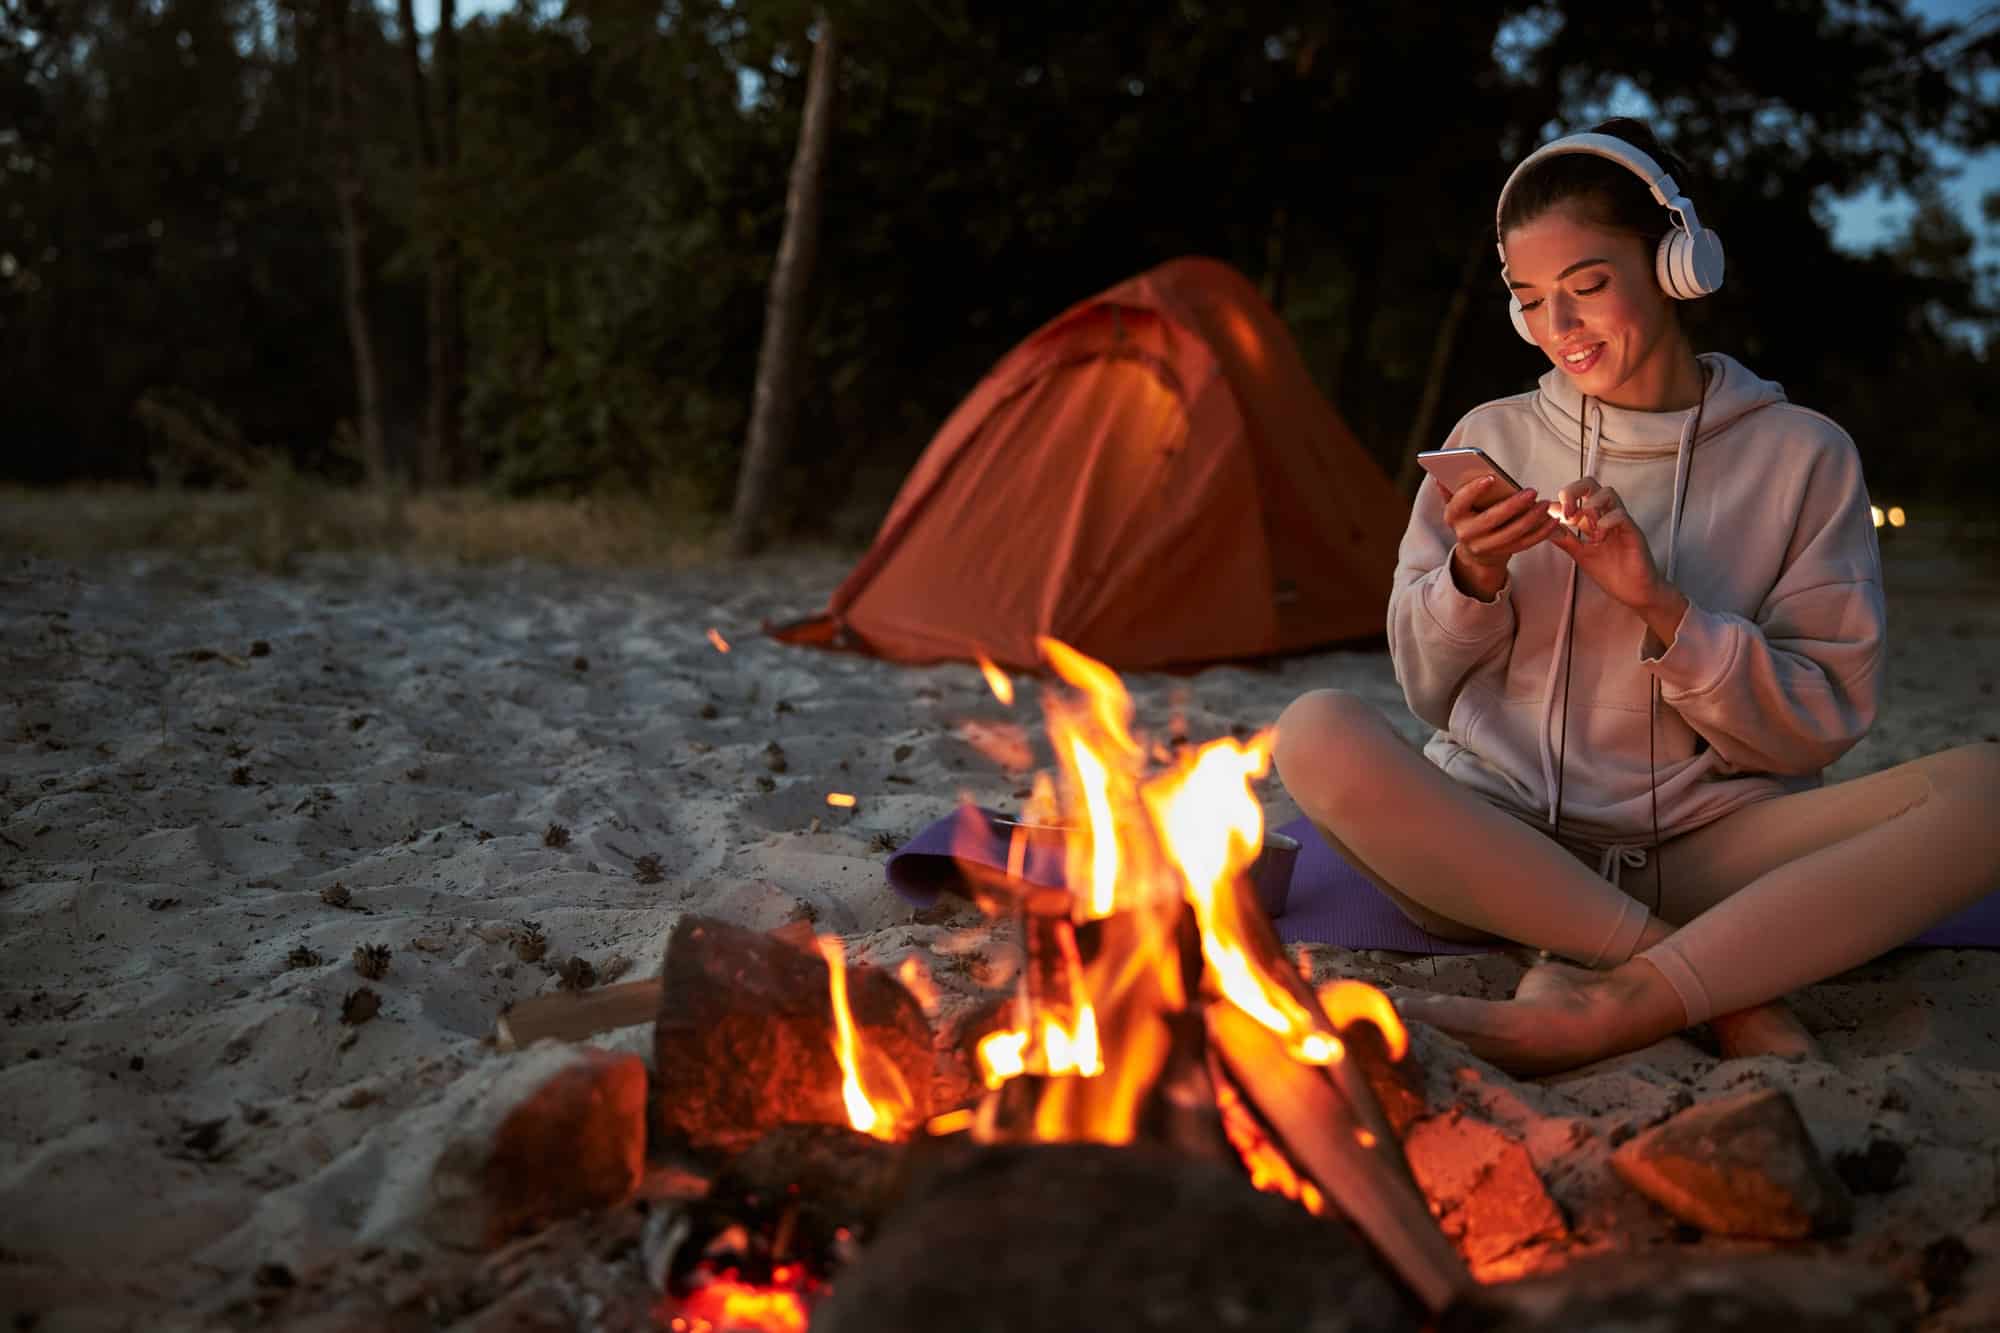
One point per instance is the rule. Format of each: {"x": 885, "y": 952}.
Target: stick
{"x": 574, "y": 1015}
{"x": 1321, "y": 1134}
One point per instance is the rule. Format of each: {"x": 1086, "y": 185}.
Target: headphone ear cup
{"x": 1520, "y": 318}
{"x": 1689, "y": 264}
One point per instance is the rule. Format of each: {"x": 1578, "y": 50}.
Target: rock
{"x": 744, "y": 1038}
{"x": 1112, "y": 1239}
{"x": 1738, "y": 1166}
{"x": 553, "y": 1131}
{"x": 852, "y": 1178}
{"x": 1483, "y": 1186}
{"x": 1645, "y": 1293}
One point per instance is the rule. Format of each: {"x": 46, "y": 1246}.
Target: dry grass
{"x": 288, "y": 516}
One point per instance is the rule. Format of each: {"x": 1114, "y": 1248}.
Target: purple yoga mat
{"x": 1328, "y": 902}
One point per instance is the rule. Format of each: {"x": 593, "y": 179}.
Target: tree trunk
{"x": 437, "y": 153}
{"x": 350, "y": 198}
{"x": 1478, "y": 257}
{"x": 448, "y": 382}
{"x": 774, "y": 403}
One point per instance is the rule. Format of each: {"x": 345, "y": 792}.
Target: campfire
{"x": 1153, "y": 1007}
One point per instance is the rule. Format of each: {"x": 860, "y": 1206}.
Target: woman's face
{"x": 1597, "y": 311}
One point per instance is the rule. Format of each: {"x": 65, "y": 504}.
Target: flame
{"x": 840, "y": 800}
{"x": 729, "y": 1303}
{"x": 997, "y": 680}
{"x": 1002, "y": 1055}
{"x": 1897, "y": 518}
{"x": 1213, "y": 827}
{"x": 715, "y": 637}
{"x": 1349, "y": 1001}
{"x": 864, "y": 1113}
{"x": 1875, "y": 513}
{"x": 1144, "y": 851}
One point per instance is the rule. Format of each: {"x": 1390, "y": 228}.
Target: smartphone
{"x": 1459, "y": 467}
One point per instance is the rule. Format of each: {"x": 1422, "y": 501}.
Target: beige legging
{"x": 1770, "y": 897}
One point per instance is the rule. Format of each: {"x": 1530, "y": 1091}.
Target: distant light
{"x": 722, "y": 644}
{"x": 1897, "y": 518}
{"x": 1875, "y": 512}
{"x": 840, "y": 800}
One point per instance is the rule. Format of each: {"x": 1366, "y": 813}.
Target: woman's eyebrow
{"x": 1581, "y": 263}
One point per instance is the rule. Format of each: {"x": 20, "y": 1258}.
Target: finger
{"x": 1529, "y": 529}
{"x": 1471, "y": 519}
{"x": 1617, "y": 518}
{"x": 1575, "y": 492}
{"x": 1603, "y": 499}
{"x": 1486, "y": 522}
{"x": 1458, "y": 503}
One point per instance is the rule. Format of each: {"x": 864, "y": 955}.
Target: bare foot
{"x": 1769, "y": 1029}
{"x": 1560, "y": 1017}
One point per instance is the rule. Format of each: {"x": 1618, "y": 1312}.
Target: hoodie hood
{"x": 1733, "y": 392}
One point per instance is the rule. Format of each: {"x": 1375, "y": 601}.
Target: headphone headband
{"x": 1688, "y": 261}
{"x": 1635, "y": 160}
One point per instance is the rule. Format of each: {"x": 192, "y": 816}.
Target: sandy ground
{"x": 193, "y": 756}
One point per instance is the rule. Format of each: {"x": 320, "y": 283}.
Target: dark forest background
{"x": 531, "y": 252}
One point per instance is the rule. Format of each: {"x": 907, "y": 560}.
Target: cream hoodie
{"x": 1775, "y": 671}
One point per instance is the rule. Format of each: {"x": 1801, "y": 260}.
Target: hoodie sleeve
{"x": 1437, "y": 634}
{"x": 1793, "y": 689}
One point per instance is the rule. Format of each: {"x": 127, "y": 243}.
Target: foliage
{"x": 620, "y": 193}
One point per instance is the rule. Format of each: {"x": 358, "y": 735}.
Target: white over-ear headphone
{"x": 1689, "y": 260}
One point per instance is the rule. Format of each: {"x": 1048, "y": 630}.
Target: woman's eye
{"x": 1594, "y": 288}
{"x": 1530, "y": 305}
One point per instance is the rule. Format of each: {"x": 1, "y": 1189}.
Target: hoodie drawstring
{"x": 1564, "y": 625}
{"x": 1616, "y": 856}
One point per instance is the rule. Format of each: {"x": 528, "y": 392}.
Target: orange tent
{"x": 1150, "y": 477}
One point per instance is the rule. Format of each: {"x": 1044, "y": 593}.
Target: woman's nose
{"x": 1562, "y": 314}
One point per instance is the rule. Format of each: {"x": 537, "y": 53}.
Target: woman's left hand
{"x": 1613, "y": 553}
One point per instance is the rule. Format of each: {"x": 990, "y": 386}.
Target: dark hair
{"x": 1608, "y": 194}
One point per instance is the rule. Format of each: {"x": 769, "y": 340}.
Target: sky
{"x": 1860, "y": 223}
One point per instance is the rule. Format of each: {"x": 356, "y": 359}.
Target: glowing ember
{"x": 864, "y": 1113}
{"x": 715, "y": 637}
{"x": 730, "y": 1305}
{"x": 1269, "y": 1168}
{"x": 997, "y": 680}
{"x": 951, "y": 1122}
{"x": 840, "y": 800}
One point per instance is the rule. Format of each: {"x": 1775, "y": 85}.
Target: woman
{"x": 1637, "y": 683}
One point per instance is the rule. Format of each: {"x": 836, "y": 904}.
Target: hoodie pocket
{"x": 1467, "y": 712}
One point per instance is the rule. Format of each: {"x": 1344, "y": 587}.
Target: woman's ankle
{"x": 1643, "y": 1005}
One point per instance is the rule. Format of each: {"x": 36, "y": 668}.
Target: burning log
{"x": 745, "y": 1038}
{"x": 1322, "y": 1131}
{"x": 1185, "y": 1013}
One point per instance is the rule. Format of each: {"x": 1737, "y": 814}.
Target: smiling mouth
{"x": 1578, "y": 360}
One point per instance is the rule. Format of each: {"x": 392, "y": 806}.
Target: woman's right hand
{"x": 1491, "y": 533}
